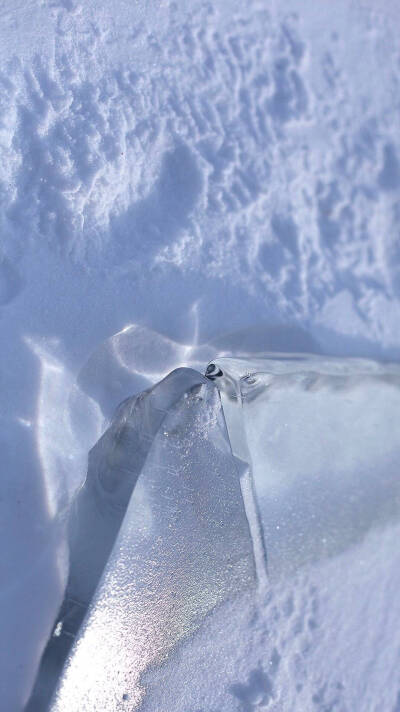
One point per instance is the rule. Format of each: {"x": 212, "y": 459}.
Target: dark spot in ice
{"x": 389, "y": 177}
{"x": 213, "y": 371}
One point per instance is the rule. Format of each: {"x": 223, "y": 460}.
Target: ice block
{"x": 159, "y": 538}
{"x": 322, "y": 439}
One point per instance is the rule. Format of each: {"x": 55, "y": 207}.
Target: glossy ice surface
{"x": 184, "y": 545}
{"x": 211, "y": 491}
{"x": 321, "y": 436}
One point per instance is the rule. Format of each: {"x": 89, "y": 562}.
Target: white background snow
{"x": 189, "y": 170}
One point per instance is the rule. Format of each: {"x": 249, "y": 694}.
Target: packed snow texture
{"x": 183, "y": 170}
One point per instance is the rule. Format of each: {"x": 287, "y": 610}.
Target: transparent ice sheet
{"x": 321, "y": 436}
{"x": 186, "y": 499}
{"x": 164, "y": 485}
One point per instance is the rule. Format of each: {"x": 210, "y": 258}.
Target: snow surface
{"x": 183, "y": 171}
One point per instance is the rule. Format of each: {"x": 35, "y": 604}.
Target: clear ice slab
{"x": 159, "y": 537}
{"x": 201, "y": 489}
{"x": 321, "y": 437}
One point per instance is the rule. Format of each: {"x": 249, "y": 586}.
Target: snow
{"x": 210, "y": 177}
